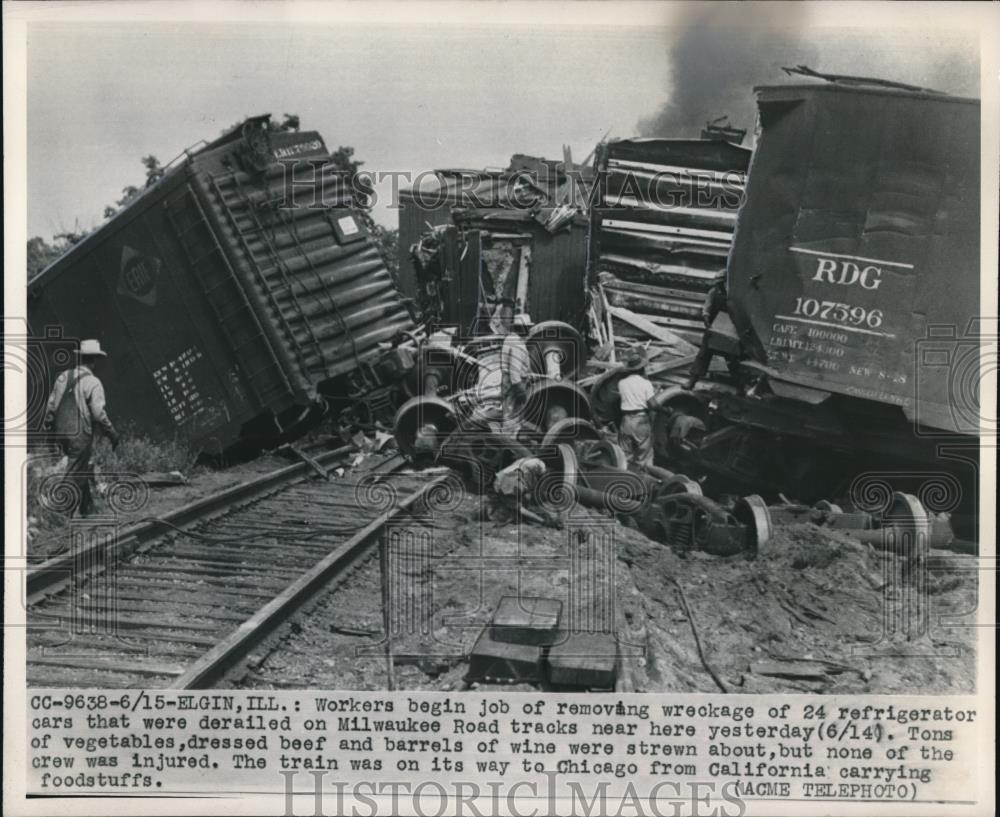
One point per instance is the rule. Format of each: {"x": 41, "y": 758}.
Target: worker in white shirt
{"x": 515, "y": 365}
{"x": 635, "y": 431}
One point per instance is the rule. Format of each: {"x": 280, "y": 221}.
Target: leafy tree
{"x": 388, "y": 245}
{"x": 291, "y": 122}
{"x": 343, "y": 159}
{"x": 41, "y": 253}
{"x": 154, "y": 172}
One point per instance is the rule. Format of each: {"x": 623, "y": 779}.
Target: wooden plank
{"x": 310, "y": 461}
{"x": 656, "y": 291}
{"x": 704, "y": 274}
{"x": 658, "y": 332}
{"x": 187, "y": 569}
{"x": 131, "y": 622}
{"x": 136, "y": 638}
{"x": 211, "y": 614}
{"x": 140, "y": 583}
{"x": 52, "y": 646}
{"x": 790, "y": 669}
{"x": 190, "y": 599}
{"x": 667, "y": 307}
{"x": 134, "y": 666}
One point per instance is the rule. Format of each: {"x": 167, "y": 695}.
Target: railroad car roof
{"x": 859, "y": 87}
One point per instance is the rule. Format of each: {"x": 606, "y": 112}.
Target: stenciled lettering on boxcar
{"x": 840, "y": 317}
{"x": 178, "y": 388}
{"x": 288, "y": 151}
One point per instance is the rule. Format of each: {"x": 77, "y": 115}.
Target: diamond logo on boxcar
{"x": 139, "y": 276}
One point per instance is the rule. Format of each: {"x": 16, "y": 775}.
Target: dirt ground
{"x": 796, "y": 619}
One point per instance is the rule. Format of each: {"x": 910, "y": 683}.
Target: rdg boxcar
{"x": 859, "y": 237}
{"x": 853, "y": 281}
{"x": 231, "y": 294}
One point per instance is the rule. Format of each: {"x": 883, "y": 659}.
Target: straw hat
{"x": 636, "y": 360}
{"x": 91, "y": 348}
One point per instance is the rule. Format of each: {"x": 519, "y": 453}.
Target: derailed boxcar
{"x": 232, "y": 294}
{"x": 853, "y": 281}
{"x": 860, "y": 232}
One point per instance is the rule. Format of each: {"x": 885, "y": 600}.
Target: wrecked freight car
{"x": 239, "y": 297}
{"x": 662, "y": 226}
{"x": 473, "y": 242}
{"x": 853, "y": 284}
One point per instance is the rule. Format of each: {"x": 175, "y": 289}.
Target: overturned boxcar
{"x": 853, "y": 282}
{"x": 233, "y": 295}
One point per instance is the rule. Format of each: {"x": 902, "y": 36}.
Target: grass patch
{"x": 137, "y": 454}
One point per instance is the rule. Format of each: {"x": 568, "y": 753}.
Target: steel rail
{"x": 214, "y": 665}
{"x": 50, "y": 575}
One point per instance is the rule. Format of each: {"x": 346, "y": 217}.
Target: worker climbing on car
{"x": 76, "y": 404}
{"x": 635, "y": 431}
{"x": 515, "y": 366}
{"x": 716, "y": 339}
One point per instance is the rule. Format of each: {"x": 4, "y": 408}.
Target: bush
{"x": 139, "y": 454}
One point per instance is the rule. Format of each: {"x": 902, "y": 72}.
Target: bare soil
{"x": 805, "y": 616}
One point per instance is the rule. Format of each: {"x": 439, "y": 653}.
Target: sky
{"x": 410, "y": 98}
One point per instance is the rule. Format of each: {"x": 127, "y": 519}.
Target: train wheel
{"x": 752, "y": 511}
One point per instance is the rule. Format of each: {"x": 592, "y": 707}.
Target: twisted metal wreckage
{"x": 279, "y": 315}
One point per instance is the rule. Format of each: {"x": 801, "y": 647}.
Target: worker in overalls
{"x": 635, "y": 430}
{"x": 76, "y": 405}
{"x": 515, "y": 366}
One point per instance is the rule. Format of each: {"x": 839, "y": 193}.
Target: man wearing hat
{"x": 515, "y": 366}
{"x": 635, "y": 431}
{"x": 75, "y": 405}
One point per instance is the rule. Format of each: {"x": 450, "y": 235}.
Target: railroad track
{"x": 180, "y": 601}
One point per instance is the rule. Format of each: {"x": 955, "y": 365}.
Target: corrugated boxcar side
{"x": 664, "y": 223}
{"x": 860, "y": 231}
{"x": 128, "y": 285}
{"x": 311, "y": 269}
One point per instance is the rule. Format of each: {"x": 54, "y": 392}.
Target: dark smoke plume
{"x": 715, "y": 64}
{"x": 713, "y": 71}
